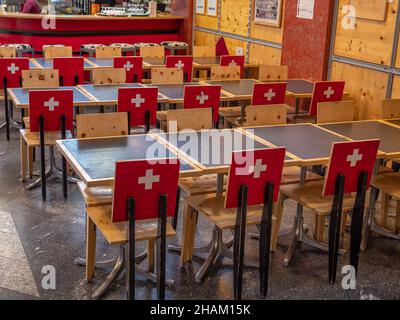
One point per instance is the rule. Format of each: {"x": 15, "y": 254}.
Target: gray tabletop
{"x": 48, "y": 63}
{"x": 300, "y": 87}
{"x": 243, "y": 87}
{"x": 97, "y": 157}
{"x": 105, "y": 62}
{"x": 364, "y": 130}
{"x": 395, "y": 122}
{"x": 22, "y": 96}
{"x": 207, "y": 60}
{"x": 212, "y": 148}
{"x": 305, "y": 141}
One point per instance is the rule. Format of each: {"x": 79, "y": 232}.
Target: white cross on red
{"x": 180, "y": 64}
{"x": 202, "y": 97}
{"x": 138, "y": 100}
{"x": 258, "y": 168}
{"x": 128, "y": 66}
{"x": 354, "y": 158}
{"x": 149, "y": 179}
{"x": 232, "y": 63}
{"x": 328, "y": 93}
{"x": 269, "y": 95}
{"x": 51, "y": 104}
{"x": 13, "y": 68}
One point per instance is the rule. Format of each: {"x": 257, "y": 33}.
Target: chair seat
{"x": 96, "y": 196}
{"x": 146, "y": 44}
{"x": 17, "y": 46}
{"x": 388, "y": 183}
{"x": 228, "y": 112}
{"x": 310, "y": 196}
{"x": 200, "y": 185}
{"x": 174, "y": 44}
{"x": 91, "y": 46}
{"x": 122, "y": 45}
{"x": 115, "y": 233}
{"x": 212, "y": 208}
{"x": 32, "y": 138}
{"x": 291, "y": 175}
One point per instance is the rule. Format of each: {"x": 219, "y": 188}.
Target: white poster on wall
{"x": 200, "y": 6}
{"x": 305, "y": 9}
{"x": 212, "y": 8}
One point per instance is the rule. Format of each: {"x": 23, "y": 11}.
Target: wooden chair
{"x": 273, "y": 73}
{"x": 263, "y": 94}
{"x": 225, "y": 73}
{"x": 50, "y": 112}
{"x": 40, "y": 78}
{"x": 191, "y": 119}
{"x": 337, "y": 111}
{"x": 183, "y": 62}
{"x": 166, "y": 76}
{"x": 390, "y": 108}
{"x": 108, "y": 52}
{"x": 71, "y": 70}
{"x": 233, "y": 61}
{"x": 133, "y": 67}
{"x": 116, "y": 225}
{"x": 8, "y": 52}
{"x": 223, "y": 210}
{"x": 316, "y": 196}
{"x": 203, "y": 51}
{"x": 326, "y": 91}
{"x": 108, "y": 76}
{"x": 274, "y": 114}
{"x": 152, "y": 52}
{"x": 57, "y": 52}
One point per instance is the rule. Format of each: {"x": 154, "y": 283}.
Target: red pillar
{"x": 306, "y": 42}
{"x": 184, "y": 8}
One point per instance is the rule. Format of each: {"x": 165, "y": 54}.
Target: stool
{"x": 21, "y": 48}
{"x": 174, "y": 46}
{"x": 125, "y": 47}
{"x": 90, "y": 48}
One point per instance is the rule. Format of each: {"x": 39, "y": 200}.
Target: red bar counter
{"x": 74, "y": 30}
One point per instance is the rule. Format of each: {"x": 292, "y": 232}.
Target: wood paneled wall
{"x": 235, "y": 19}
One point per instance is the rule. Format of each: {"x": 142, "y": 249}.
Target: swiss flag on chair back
{"x": 70, "y": 69}
{"x": 350, "y": 159}
{"x": 234, "y": 61}
{"x": 145, "y": 182}
{"x": 268, "y": 93}
{"x": 137, "y": 101}
{"x": 220, "y": 48}
{"x": 326, "y": 91}
{"x": 183, "y": 62}
{"x": 11, "y": 68}
{"x": 202, "y": 97}
{"x": 51, "y": 104}
{"x": 133, "y": 67}
{"x": 254, "y": 168}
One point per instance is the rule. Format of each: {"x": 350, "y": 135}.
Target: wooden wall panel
{"x": 264, "y": 55}
{"x": 204, "y": 39}
{"x": 232, "y": 44}
{"x": 370, "y": 41}
{"x": 235, "y": 16}
{"x": 205, "y": 21}
{"x": 396, "y": 88}
{"x": 268, "y": 33}
{"x": 367, "y": 87}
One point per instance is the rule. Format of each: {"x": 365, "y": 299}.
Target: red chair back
{"x": 350, "y": 159}
{"x": 221, "y": 48}
{"x": 326, "y": 91}
{"x": 203, "y": 97}
{"x": 52, "y": 105}
{"x": 145, "y": 182}
{"x": 254, "y": 168}
{"x": 11, "y": 69}
{"x": 137, "y": 101}
{"x": 183, "y": 62}
{"x": 70, "y": 70}
{"x": 234, "y": 61}
{"x": 133, "y": 67}
{"x": 268, "y": 93}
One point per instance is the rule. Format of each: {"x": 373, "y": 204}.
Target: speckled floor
{"x": 34, "y": 234}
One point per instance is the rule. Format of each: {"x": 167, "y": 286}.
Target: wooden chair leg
{"x": 150, "y": 255}
{"x": 23, "y": 150}
{"x": 397, "y": 223}
{"x": 343, "y": 223}
{"x": 278, "y": 212}
{"x": 31, "y": 150}
{"x": 90, "y": 248}
{"x": 319, "y": 228}
{"x": 188, "y": 233}
{"x": 384, "y": 209}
